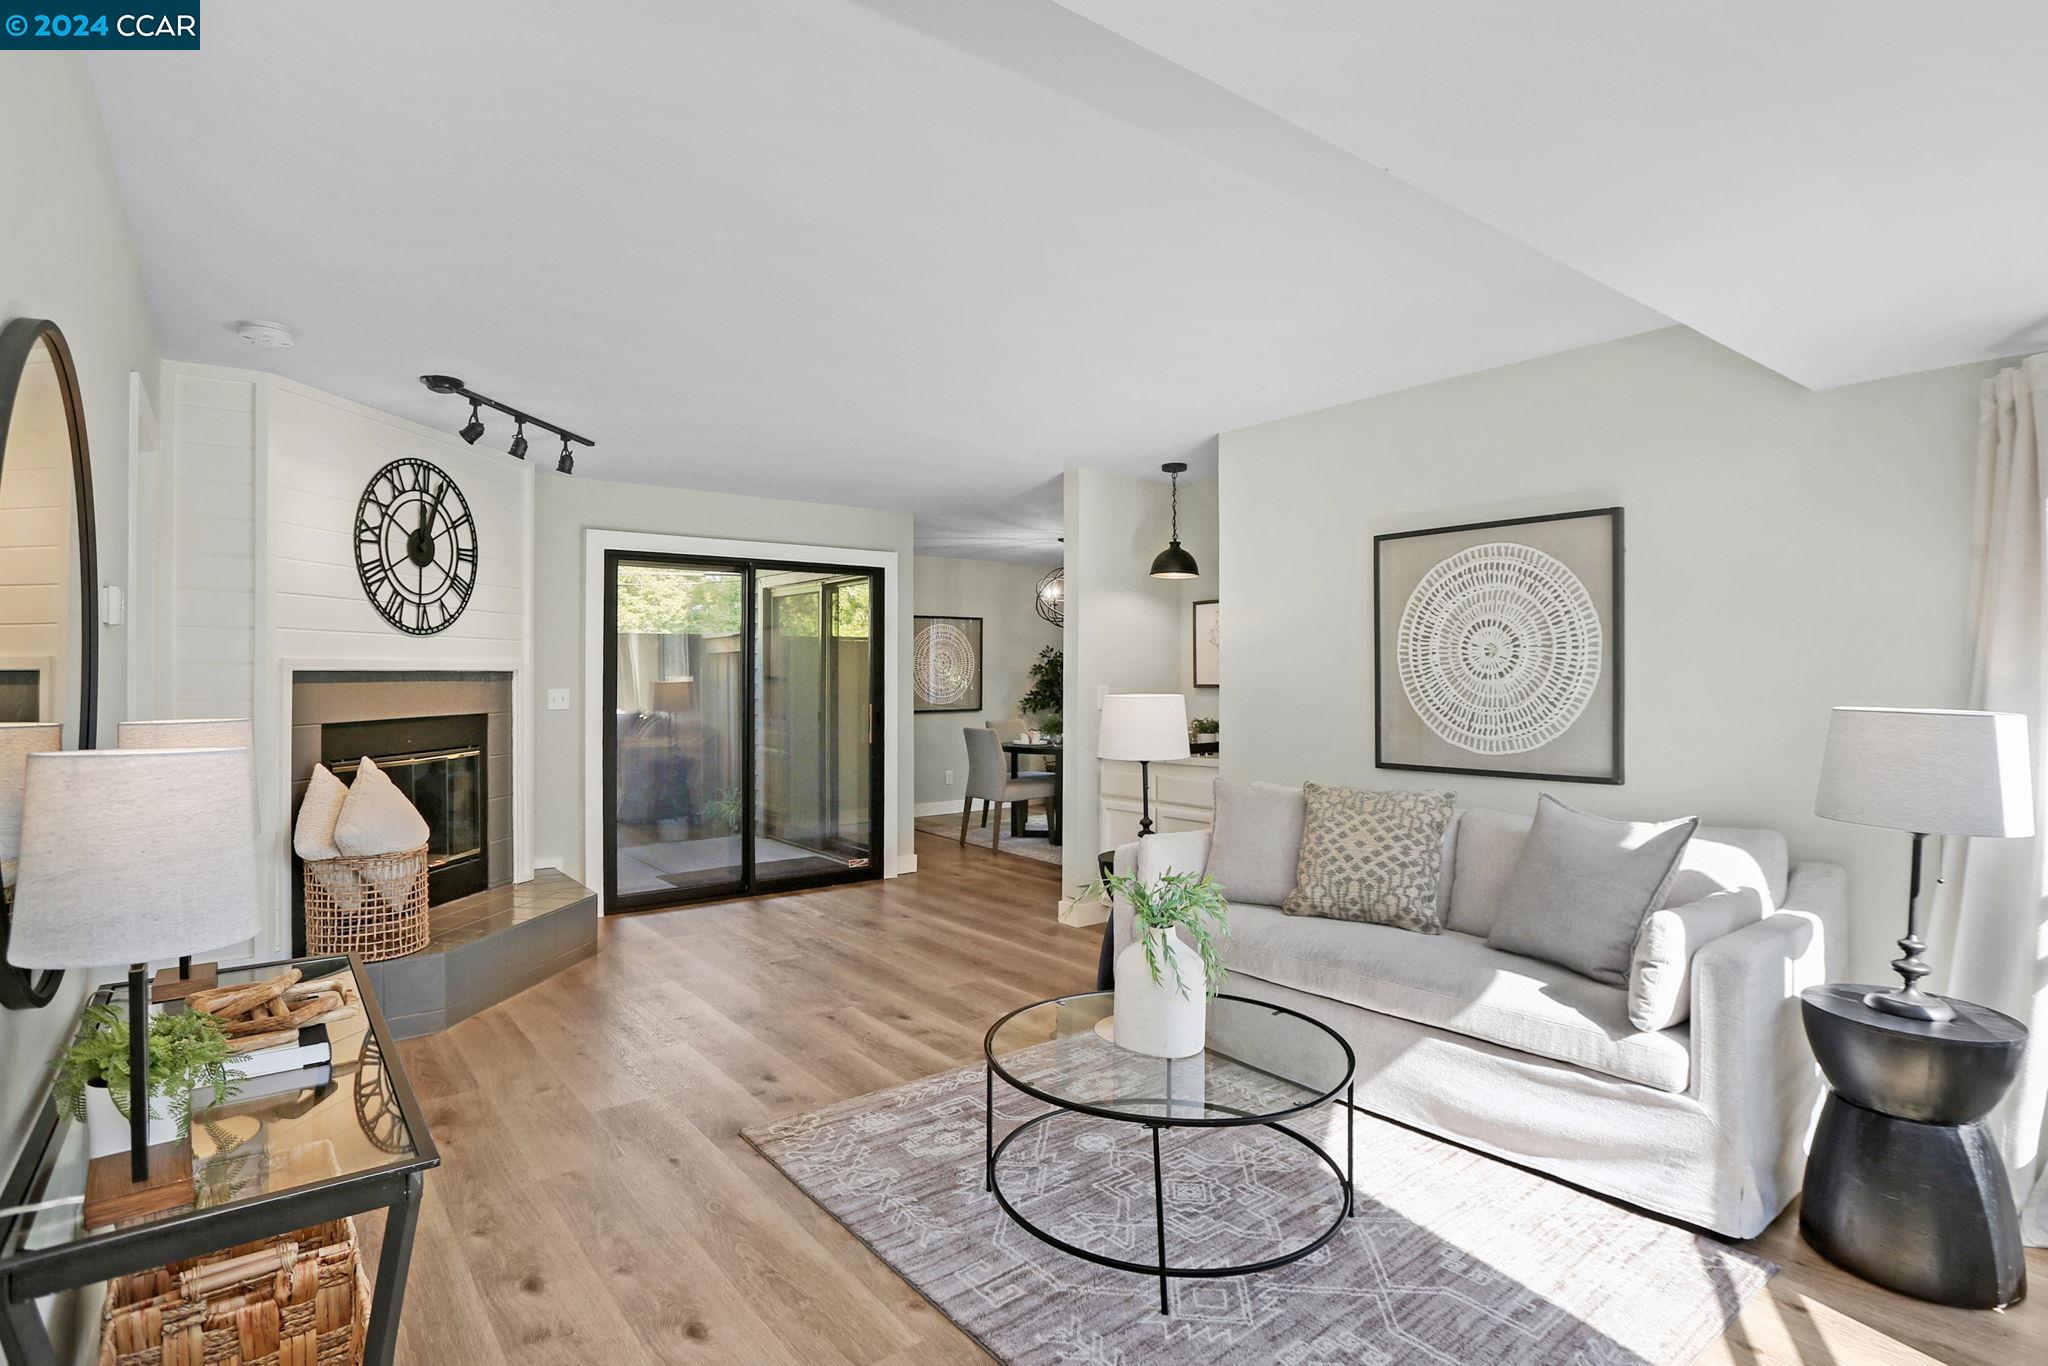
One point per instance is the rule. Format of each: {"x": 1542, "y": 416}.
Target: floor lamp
{"x": 132, "y": 856}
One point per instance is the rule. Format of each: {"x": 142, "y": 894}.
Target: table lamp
{"x": 132, "y": 855}
{"x": 204, "y": 733}
{"x": 1148, "y": 727}
{"x": 1931, "y": 773}
{"x": 18, "y": 740}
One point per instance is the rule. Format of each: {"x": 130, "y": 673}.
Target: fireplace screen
{"x": 445, "y": 788}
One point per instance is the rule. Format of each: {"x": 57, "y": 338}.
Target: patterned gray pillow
{"x": 1372, "y": 856}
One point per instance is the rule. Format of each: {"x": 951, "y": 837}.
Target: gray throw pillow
{"x": 1582, "y": 886}
{"x": 1256, "y": 841}
{"x": 1372, "y": 856}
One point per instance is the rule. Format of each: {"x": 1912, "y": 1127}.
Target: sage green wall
{"x": 1788, "y": 551}
{"x": 1004, "y": 596}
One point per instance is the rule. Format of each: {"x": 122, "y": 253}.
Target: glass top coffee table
{"x": 1264, "y": 1064}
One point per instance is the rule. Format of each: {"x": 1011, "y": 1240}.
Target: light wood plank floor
{"x": 597, "y": 1205}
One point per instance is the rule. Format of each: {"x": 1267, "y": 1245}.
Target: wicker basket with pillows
{"x": 365, "y": 852}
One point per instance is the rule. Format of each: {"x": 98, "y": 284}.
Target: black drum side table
{"x": 1905, "y": 1186}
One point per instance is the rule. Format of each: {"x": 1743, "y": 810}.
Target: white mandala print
{"x": 1499, "y": 648}
{"x": 945, "y": 664}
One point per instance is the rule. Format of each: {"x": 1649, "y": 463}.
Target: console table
{"x": 363, "y": 1110}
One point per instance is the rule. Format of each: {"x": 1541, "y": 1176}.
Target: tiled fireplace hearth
{"x": 446, "y": 738}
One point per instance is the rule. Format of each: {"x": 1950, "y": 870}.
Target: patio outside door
{"x": 745, "y": 747}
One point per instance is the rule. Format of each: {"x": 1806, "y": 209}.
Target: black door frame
{"x": 749, "y": 882}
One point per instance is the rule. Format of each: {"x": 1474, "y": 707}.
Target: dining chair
{"x": 989, "y": 781}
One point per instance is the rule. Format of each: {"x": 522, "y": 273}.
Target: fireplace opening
{"x": 438, "y": 763}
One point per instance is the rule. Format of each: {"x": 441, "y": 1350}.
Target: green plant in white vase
{"x": 1172, "y": 965}
{"x": 187, "y": 1051}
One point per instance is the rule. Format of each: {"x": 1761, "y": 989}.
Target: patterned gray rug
{"x": 1452, "y": 1258}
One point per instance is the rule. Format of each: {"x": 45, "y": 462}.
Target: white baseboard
{"x": 905, "y": 863}
{"x": 946, "y": 808}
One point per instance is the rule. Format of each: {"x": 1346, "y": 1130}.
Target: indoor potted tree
{"x": 1163, "y": 983}
{"x": 187, "y": 1050}
{"x": 1045, "y": 697}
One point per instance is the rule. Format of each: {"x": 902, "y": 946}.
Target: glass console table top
{"x": 351, "y": 1120}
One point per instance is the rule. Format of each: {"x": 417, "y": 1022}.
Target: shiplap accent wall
{"x": 265, "y": 476}
{"x": 211, "y": 434}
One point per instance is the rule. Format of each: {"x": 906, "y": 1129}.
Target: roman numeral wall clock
{"x": 416, "y": 547}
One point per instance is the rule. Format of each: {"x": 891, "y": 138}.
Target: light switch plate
{"x": 117, "y": 606}
{"x": 558, "y": 699}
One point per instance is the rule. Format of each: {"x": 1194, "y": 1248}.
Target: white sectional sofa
{"x": 1704, "y": 1122}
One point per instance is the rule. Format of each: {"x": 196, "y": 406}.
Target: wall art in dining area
{"x": 1207, "y": 644}
{"x": 946, "y": 663}
{"x": 1499, "y": 648}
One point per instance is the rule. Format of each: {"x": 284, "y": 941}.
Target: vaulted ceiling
{"x": 928, "y": 253}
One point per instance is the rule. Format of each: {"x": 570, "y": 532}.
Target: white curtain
{"x": 1990, "y": 920}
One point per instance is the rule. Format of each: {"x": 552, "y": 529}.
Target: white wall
{"x": 65, "y": 254}
{"x": 1198, "y": 536}
{"x": 1005, "y": 597}
{"x": 566, "y": 507}
{"x": 264, "y": 475}
{"x": 1123, "y": 630}
{"x": 1789, "y": 551}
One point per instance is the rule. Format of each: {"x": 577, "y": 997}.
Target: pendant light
{"x": 1173, "y": 562}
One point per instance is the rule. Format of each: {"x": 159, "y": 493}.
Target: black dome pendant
{"x": 1173, "y": 562}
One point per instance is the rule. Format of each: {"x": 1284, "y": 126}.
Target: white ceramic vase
{"x": 1155, "y": 1018}
{"x": 106, "y": 1129}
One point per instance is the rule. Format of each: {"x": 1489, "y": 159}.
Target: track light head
{"x": 442, "y": 384}
{"x": 474, "y": 428}
{"x": 567, "y": 464}
{"x": 518, "y": 448}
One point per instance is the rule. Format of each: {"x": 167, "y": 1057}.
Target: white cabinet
{"x": 1183, "y": 798}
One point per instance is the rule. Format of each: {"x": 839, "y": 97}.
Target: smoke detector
{"x": 272, "y": 336}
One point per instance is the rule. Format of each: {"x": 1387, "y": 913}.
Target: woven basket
{"x": 373, "y": 907}
{"x": 300, "y": 1300}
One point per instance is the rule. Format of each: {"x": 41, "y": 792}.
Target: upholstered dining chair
{"x": 989, "y": 781}
{"x": 1012, "y": 729}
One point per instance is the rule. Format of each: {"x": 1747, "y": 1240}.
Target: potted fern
{"x": 187, "y": 1050}
{"x": 1164, "y": 982}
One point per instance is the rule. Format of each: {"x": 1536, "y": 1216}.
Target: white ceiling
{"x": 1840, "y": 189}
{"x": 904, "y": 253}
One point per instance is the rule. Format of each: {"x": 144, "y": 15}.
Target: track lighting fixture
{"x": 1173, "y": 562}
{"x": 473, "y": 430}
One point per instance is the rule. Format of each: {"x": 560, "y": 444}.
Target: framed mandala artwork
{"x": 946, "y": 664}
{"x": 1498, "y": 648}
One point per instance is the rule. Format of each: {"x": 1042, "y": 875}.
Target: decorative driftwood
{"x": 270, "y": 1013}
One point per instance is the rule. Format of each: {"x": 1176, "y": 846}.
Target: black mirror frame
{"x": 19, "y": 989}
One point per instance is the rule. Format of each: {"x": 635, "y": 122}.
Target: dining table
{"x": 1020, "y": 812}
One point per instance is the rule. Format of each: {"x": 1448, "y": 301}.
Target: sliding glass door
{"x": 744, "y": 748}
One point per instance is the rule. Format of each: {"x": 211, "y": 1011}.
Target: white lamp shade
{"x": 133, "y": 856}
{"x": 17, "y": 742}
{"x": 1143, "y": 725}
{"x": 213, "y": 733}
{"x": 1931, "y": 772}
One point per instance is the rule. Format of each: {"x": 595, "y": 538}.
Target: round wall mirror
{"x": 49, "y": 585}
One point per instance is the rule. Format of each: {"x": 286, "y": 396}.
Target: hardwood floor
{"x": 597, "y": 1204}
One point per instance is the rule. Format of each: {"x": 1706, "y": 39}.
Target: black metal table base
{"x": 992, "y": 1153}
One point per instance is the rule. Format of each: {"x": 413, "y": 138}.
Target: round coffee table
{"x": 1272, "y": 1063}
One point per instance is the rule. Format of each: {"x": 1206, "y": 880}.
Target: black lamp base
{"x": 138, "y": 1072}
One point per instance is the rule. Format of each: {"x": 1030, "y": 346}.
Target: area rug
{"x": 1032, "y": 846}
{"x": 1451, "y": 1257}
